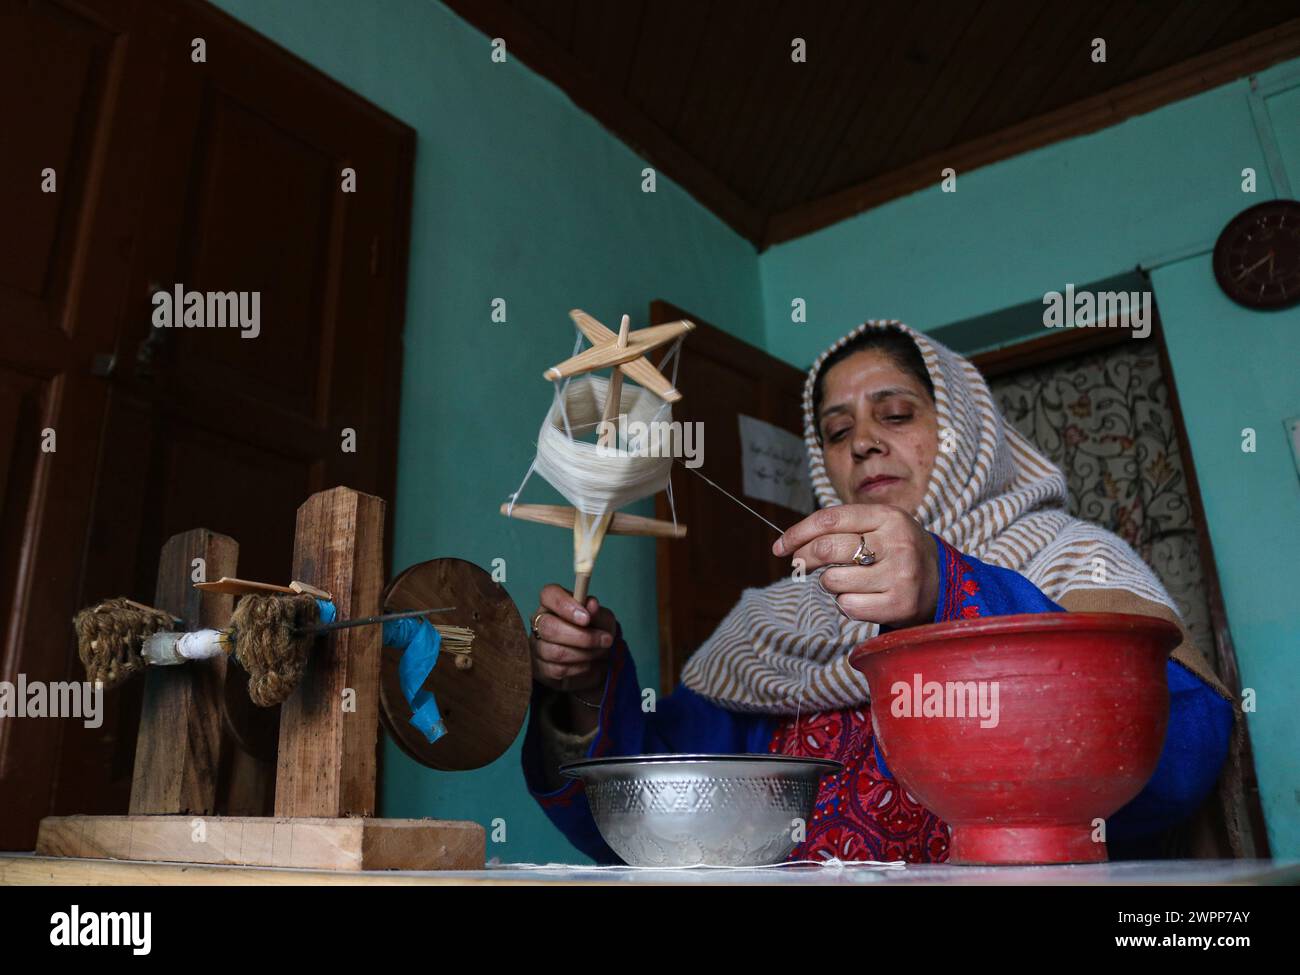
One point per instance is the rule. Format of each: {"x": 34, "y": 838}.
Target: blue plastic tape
{"x": 419, "y": 641}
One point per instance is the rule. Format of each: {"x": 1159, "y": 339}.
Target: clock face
{"x": 1257, "y": 257}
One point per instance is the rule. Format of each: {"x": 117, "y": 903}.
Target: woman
{"x": 951, "y": 514}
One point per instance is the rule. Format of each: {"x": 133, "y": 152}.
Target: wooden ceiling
{"x": 890, "y": 94}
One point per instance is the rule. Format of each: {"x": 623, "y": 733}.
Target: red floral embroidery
{"x": 860, "y": 814}
{"x": 959, "y": 588}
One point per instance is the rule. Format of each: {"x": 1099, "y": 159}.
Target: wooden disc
{"x": 483, "y": 707}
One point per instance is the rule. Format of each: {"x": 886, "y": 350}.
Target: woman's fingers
{"x": 560, "y": 653}
{"x": 553, "y": 629}
{"x": 876, "y": 607}
{"x": 603, "y": 619}
{"x": 556, "y": 664}
{"x": 571, "y": 642}
{"x": 896, "y": 606}
{"x": 835, "y": 549}
{"x": 559, "y": 601}
{"x": 900, "y": 586}
{"x": 838, "y": 579}
{"x": 843, "y": 518}
{"x": 564, "y": 659}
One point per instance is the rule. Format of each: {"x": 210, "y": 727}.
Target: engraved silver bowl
{"x": 701, "y": 810}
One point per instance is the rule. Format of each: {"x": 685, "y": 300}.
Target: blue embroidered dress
{"x": 862, "y": 813}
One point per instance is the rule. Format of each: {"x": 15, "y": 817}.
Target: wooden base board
{"x": 269, "y": 841}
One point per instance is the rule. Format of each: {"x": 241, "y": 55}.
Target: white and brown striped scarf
{"x": 992, "y": 495}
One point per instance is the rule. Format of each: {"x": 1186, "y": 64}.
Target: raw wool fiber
{"x": 110, "y": 636}
{"x": 267, "y": 633}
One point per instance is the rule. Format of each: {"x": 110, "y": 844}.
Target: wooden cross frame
{"x": 326, "y": 775}
{"x": 626, "y": 354}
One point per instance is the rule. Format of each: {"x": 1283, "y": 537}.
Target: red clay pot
{"x": 1075, "y": 708}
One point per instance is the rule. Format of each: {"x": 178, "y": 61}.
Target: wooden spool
{"x": 483, "y": 706}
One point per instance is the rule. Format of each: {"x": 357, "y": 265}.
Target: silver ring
{"x": 864, "y": 555}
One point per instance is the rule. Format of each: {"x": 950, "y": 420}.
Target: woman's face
{"x": 879, "y": 431}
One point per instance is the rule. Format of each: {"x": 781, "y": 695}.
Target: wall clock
{"x": 1257, "y": 257}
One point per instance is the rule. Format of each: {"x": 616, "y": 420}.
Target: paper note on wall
{"x": 775, "y": 465}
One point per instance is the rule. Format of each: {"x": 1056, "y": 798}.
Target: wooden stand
{"x": 325, "y": 791}
{"x": 268, "y": 841}
{"x": 329, "y": 726}
{"x": 179, "y": 746}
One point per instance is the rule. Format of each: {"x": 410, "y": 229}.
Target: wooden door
{"x": 726, "y": 548}
{"x": 78, "y": 107}
{"x": 243, "y": 192}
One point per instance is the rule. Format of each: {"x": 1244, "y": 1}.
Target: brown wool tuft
{"x": 110, "y": 636}
{"x": 269, "y": 644}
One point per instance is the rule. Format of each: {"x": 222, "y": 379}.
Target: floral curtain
{"x": 1104, "y": 418}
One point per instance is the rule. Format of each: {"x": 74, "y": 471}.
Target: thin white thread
{"x": 673, "y": 354}
{"x": 833, "y": 864}
{"x": 834, "y": 599}
{"x": 803, "y": 685}
{"x": 514, "y": 497}
{"x": 734, "y": 498}
{"x": 562, "y": 390}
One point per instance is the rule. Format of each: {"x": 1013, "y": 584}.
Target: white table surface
{"x": 29, "y": 869}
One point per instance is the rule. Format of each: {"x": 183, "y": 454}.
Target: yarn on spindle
{"x": 597, "y": 479}
{"x": 271, "y": 643}
{"x": 110, "y": 635}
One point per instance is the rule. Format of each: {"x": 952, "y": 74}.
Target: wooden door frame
{"x": 1062, "y": 344}
{"x": 706, "y": 339}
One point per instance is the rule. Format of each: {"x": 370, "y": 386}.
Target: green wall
{"x": 1153, "y": 192}
{"x": 519, "y": 195}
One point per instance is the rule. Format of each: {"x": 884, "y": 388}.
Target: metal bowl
{"x": 701, "y": 810}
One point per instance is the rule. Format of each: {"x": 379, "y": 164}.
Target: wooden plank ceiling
{"x": 891, "y": 93}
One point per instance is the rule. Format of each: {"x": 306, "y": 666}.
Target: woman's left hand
{"x": 901, "y": 588}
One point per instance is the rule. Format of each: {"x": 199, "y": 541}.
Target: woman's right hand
{"x": 571, "y": 650}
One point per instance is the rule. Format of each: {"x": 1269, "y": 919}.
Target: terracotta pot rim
{"x": 987, "y": 626}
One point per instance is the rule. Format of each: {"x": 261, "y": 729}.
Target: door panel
{"x": 75, "y": 100}
{"x": 222, "y": 177}
{"x": 726, "y": 549}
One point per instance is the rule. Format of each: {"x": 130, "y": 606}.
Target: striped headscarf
{"x": 991, "y": 495}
